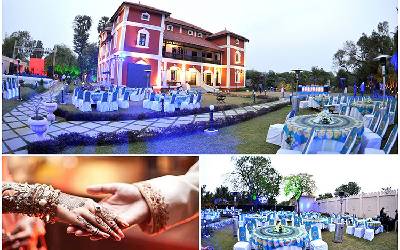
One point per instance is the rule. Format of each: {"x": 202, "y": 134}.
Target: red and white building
{"x": 145, "y": 46}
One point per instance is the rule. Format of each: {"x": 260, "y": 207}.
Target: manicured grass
{"x": 26, "y": 94}
{"x": 224, "y": 240}
{"x": 387, "y": 241}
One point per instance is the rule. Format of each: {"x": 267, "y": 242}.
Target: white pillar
{"x": 120, "y": 62}
{"x": 183, "y": 74}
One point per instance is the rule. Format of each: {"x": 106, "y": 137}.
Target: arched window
{"x": 238, "y": 57}
{"x": 143, "y": 38}
{"x": 237, "y": 76}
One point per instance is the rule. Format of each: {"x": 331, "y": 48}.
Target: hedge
{"x": 60, "y": 143}
{"x": 97, "y": 116}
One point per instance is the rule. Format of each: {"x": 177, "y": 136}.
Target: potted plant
{"x": 38, "y": 123}
{"x": 51, "y": 106}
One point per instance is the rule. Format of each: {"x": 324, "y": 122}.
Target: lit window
{"x": 174, "y": 75}
{"x": 237, "y": 41}
{"x": 237, "y": 76}
{"x": 143, "y": 38}
{"x": 237, "y": 57}
{"x": 190, "y": 32}
{"x": 170, "y": 27}
{"x": 145, "y": 17}
{"x": 200, "y": 35}
{"x": 115, "y": 39}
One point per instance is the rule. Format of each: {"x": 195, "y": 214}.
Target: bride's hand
{"x": 88, "y": 215}
{"x": 125, "y": 200}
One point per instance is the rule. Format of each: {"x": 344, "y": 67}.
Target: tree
{"x": 102, "y": 24}
{"x": 21, "y": 38}
{"x": 350, "y": 188}
{"x": 325, "y": 196}
{"x": 66, "y": 61}
{"x": 255, "y": 176}
{"x": 89, "y": 58}
{"x": 206, "y": 197}
{"x": 298, "y": 185}
{"x": 81, "y": 25}
{"x": 222, "y": 193}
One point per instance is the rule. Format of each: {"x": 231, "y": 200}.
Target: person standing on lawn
{"x": 362, "y": 89}
{"x": 355, "y": 89}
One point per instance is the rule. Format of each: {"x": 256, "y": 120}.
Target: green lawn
{"x": 223, "y": 240}
{"x": 26, "y": 94}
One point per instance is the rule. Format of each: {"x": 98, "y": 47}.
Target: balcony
{"x": 191, "y": 58}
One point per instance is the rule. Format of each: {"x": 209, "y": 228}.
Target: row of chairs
{"x": 82, "y": 100}
{"x": 361, "y": 230}
{"x": 10, "y": 88}
{"x": 171, "y": 105}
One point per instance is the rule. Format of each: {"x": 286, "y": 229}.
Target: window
{"x": 237, "y": 41}
{"x": 145, "y": 17}
{"x": 143, "y": 38}
{"x": 170, "y": 27}
{"x": 237, "y": 76}
{"x": 174, "y": 75}
{"x": 190, "y": 32}
{"x": 115, "y": 39}
{"x": 238, "y": 57}
{"x": 199, "y": 35}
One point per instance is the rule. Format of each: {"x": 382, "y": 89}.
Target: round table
{"x": 299, "y": 128}
{"x": 321, "y": 223}
{"x": 266, "y": 238}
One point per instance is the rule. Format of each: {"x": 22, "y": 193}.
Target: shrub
{"x": 57, "y": 145}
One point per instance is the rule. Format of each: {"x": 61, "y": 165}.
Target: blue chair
{"x": 374, "y": 140}
{"x": 124, "y": 102}
{"x": 79, "y": 101}
{"x": 306, "y": 149}
{"x": 275, "y": 131}
{"x": 316, "y": 241}
{"x": 388, "y": 146}
{"x": 113, "y": 104}
{"x": 189, "y": 104}
{"x": 149, "y": 102}
{"x": 103, "y": 104}
{"x": 87, "y": 102}
{"x": 170, "y": 106}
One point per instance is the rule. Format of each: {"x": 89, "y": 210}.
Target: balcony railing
{"x": 191, "y": 58}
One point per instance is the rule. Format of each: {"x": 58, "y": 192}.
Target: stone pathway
{"x": 17, "y": 134}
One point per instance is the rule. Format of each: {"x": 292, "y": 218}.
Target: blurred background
{"x": 73, "y": 174}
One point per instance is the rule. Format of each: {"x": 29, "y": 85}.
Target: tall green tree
{"x": 90, "y": 58}
{"x": 298, "y": 185}
{"x": 22, "y": 38}
{"x": 81, "y": 25}
{"x": 350, "y": 188}
{"x": 255, "y": 176}
{"x": 102, "y": 24}
{"x": 66, "y": 61}
{"x": 206, "y": 197}
{"x": 325, "y": 196}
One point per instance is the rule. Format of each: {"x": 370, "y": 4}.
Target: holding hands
{"x": 124, "y": 200}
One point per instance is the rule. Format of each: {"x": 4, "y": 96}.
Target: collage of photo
{"x": 213, "y": 125}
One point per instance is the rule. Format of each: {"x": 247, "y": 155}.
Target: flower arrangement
{"x": 368, "y": 100}
{"x": 278, "y": 228}
{"x": 324, "y": 117}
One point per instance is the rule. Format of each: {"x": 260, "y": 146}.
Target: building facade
{"x": 144, "y": 46}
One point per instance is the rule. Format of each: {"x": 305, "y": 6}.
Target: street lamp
{"x": 382, "y": 61}
{"x": 19, "y": 85}
{"x": 297, "y": 72}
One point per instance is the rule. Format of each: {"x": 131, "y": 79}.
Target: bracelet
{"x": 38, "y": 200}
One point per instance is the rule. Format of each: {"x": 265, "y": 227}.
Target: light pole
{"x": 148, "y": 73}
{"x": 382, "y": 61}
{"x": 297, "y": 72}
{"x": 116, "y": 61}
{"x": 19, "y": 85}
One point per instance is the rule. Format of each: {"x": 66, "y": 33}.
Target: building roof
{"x": 190, "y": 40}
{"x": 225, "y": 33}
{"x": 186, "y": 24}
{"x": 140, "y": 7}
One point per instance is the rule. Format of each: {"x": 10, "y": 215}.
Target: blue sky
{"x": 283, "y": 34}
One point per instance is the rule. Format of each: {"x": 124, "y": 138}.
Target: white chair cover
{"x": 350, "y": 230}
{"x": 242, "y": 245}
{"x": 274, "y": 135}
{"x": 369, "y": 234}
{"x": 359, "y": 232}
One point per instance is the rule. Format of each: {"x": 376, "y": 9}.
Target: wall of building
{"x": 363, "y": 205}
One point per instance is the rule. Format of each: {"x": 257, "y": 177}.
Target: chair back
{"x": 350, "y": 141}
{"x": 383, "y": 125}
{"x": 152, "y": 97}
{"x": 191, "y": 98}
{"x": 309, "y": 142}
{"x": 314, "y": 233}
{"x": 80, "y": 94}
{"x": 123, "y": 91}
{"x": 271, "y": 221}
{"x": 198, "y": 97}
{"x": 104, "y": 97}
{"x": 391, "y": 140}
{"x": 393, "y": 106}
{"x": 374, "y": 121}
{"x": 76, "y": 91}
{"x": 87, "y": 96}
{"x": 126, "y": 96}
{"x": 114, "y": 96}
{"x": 173, "y": 99}
{"x": 376, "y": 107}
{"x": 343, "y": 110}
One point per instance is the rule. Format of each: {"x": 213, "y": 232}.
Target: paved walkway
{"x": 17, "y": 134}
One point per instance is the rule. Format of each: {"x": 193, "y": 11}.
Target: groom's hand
{"x": 125, "y": 200}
